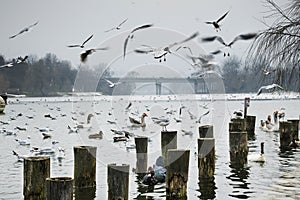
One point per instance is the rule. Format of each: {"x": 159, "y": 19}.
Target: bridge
{"x": 200, "y": 86}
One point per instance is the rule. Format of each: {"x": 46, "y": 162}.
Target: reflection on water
{"x": 207, "y": 187}
{"x": 239, "y": 175}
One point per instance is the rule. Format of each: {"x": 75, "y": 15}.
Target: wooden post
{"x": 238, "y": 147}
{"x": 59, "y": 188}
{"x": 118, "y": 181}
{"x": 206, "y": 157}
{"x": 36, "y": 170}
{"x": 85, "y": 172}
{"x": 85, "y": 166}
{"x": 250, "y": 124}
{"x": 295, "y": 128}
{"x": 206, "y": 131}
{"x": 237, "y": 125}
{"x": 177, "y": 173}
{"x": 168, "y": 141}
{"x": 285, "y": 131}
{"x": 141, "y": 146}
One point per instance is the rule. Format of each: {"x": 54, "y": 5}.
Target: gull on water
{"x": 216, "y": 23}
{"x": 137, "y": 123}
{"x": 81, "y": 45}
{"x": 24, "y": 30}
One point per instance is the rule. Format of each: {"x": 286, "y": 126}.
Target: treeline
{"x": 240, "y": 77}
{"x": 46, "y": 76}
{"x": 49, "y": 76}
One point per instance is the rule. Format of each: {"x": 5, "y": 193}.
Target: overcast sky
{"x": 65, "y": 22}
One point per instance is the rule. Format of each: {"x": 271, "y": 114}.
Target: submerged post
{"x": 206, "y": 157}
{"x": 85, "y": 171}
{"x": 141, "y": 145}
{"x": 206, "y": 131}
{"x": 59, "y": 188}
{"x": 36, "y": 170}
{"x": 118, "y": 181}
{"x": 168, "y": 141}
{"x": 177, "y": 173}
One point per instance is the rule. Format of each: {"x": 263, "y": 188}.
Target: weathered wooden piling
{"x": 295, "y": 128}
{"x": 238, "y": 142}
{"x": 168, "y": 141}
{"x": 85, "y": 166}
{"x": 141, "y": 146}
{"x": 59, "y": 188}
{"x": 118, "y": 181}
{"x": 250, "y": 124}
{"x": 177, "y": 173}
{"x": 285, "y": 131}
{"x": 36, "y": 170}
{"x": 237, "y": 125}
{"x": 206, "y": 157}
{"x": 85, "y": 172}
{"x": 206, "y": 131}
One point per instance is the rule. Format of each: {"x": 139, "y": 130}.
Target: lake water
{"x": 277, "y": 178}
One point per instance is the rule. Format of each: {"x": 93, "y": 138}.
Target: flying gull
{"x": 84, "y": 55}
{"x": 269, "y": 87}
{"x": 130, "y": 36}
{"x": 161, "y": 52}
{"x": 112, "y": 84}
{"x": 24, "y": 30}
{"x": 117, "y": 27}
{"x": 81, "y": 45}
{"x": 216, "y": 23}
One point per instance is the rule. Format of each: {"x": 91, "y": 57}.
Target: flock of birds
{"x": 203, "y": 64}
{"x": 135, "y": 120}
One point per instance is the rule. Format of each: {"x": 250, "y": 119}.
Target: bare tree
{"x": 279, "y": 44}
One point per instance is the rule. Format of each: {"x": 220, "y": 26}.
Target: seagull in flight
{"x": 117, "y": 27}
{"x": 111, "y": 84}
{"x": 130, "y": 36}
{"x": 161, "y": 52}
{"x": 247, "y": 36}
{"x": 84, "y": 55}
{"x": 20, "y": 59}
{"x": 81, "y": 45}
{"x": 24, "y": 30}
{"x": 8, "y": 65}
{"x": 268, "y": 87}
{"x": 216, "y": 23}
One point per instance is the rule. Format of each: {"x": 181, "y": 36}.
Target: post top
{"x": 37, "y": 158}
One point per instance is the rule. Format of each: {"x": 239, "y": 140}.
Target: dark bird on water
{"x": 81, "y": 45}
{"x": 24, "y": 30}
{"x": 216, "y": 23}
{"x": 117, "y": 27}
{"x": 130, "y": 36}
{"x": 84, "y": 55}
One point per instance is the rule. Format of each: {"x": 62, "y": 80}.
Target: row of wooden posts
{"x": 39, "y": 185}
